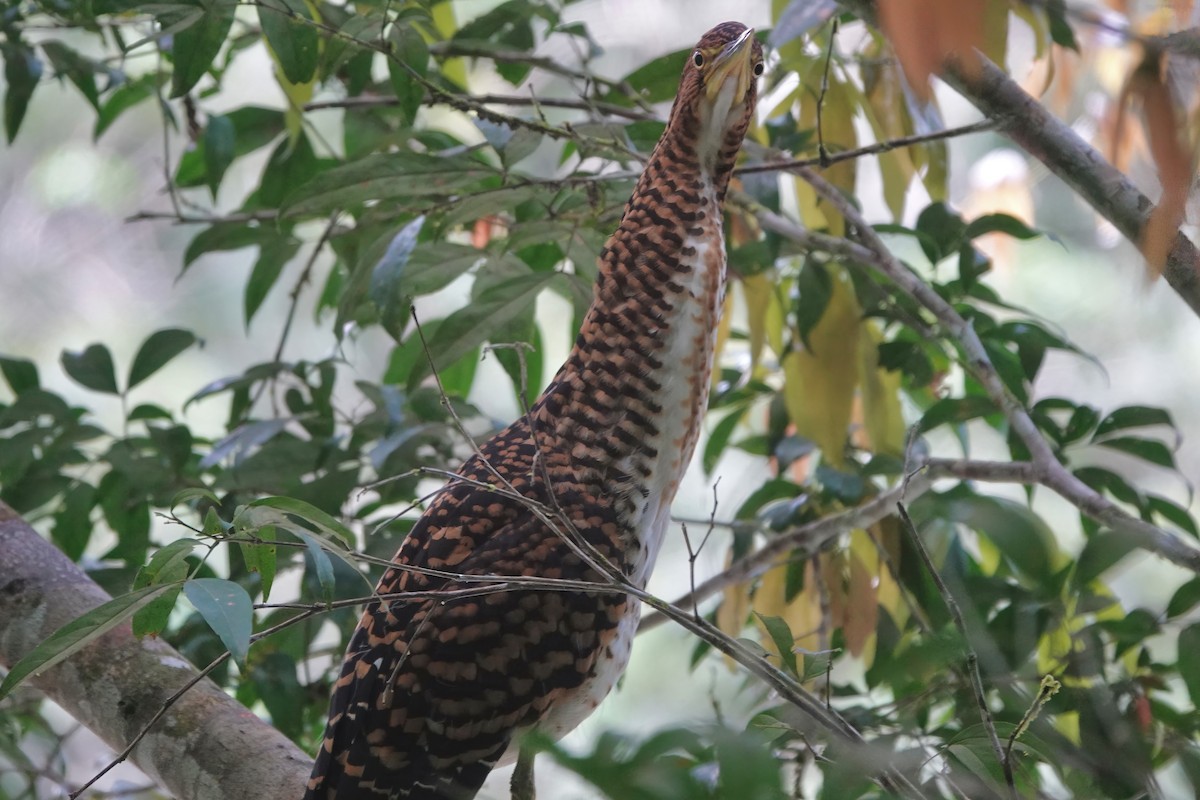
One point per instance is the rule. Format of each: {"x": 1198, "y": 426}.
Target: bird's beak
{"x": 732, "y": 63}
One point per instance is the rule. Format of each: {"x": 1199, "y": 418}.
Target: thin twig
{"x": 972, "y": 657}
{"x": 886, "y": 146}
{"x": 1052, "y": 474}
{"x": 582, "y": 104}
{"x": 795, "y": 543}
{"x": 159, "y": 714}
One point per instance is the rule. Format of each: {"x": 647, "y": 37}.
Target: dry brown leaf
{"x": 1171, "y": 157}
{"x": 862, "y": 602}
{"x": 924, "y": 34}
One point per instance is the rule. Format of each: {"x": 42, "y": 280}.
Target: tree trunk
{"x": 206, "y": 747}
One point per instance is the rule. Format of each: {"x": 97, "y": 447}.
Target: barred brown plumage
{"x": 432, "y": 694}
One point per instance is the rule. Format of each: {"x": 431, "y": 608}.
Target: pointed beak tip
{"x": 733, "y": 62}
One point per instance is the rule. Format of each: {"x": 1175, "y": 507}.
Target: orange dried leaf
{"x": 925, "y": 34}
{"x": 1172, "y": 158}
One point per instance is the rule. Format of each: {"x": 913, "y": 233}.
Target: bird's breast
{"x": 686, "y": 347}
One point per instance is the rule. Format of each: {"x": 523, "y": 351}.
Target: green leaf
{"x": 321, "y": 563}
{"x": 22, "y": 71}
{"x": 164, "y": 560}
{"x": 78, "y": 633}
{"x": 1103, "y": 550}
{"x": 194, "y": 493}
{"x": 196, "y": 44}
{"x": 219, "y": 143}
{"x": 386, "y": 290}
{"x": 1133, "y": 417}
{"x": 158, "y": 349}
{"x": 77, "y": 69}
{"x": 73, "y": 523}
{"x": 315, "y": 517}
{"x": 656, "y": 81}
{"x": 273, "y": 256}
{"x": 942, "y": 230}
{"x": 409, "y": 59}
{"x": 999, "y": 223}
{"x": 224, "y": 236}
{"x": 275, "y": 679}
{"x": 777, "y": 628}
{"x": 386, "y": 176}
{"x": 120, "y": 100}
{"x": 93, "y": 368}
{"x": 292, "y": 37}
{"x": 1189, "y": 661}
{"x": 815, "y": 288}
{"x": 718, "y": 439}
{"x": 262, "y": 557}
{"x": 21, "y": 374}
{"x": 1150, "y": 450}
{"x": 956, "y": 409}
{"x": 464, "y": 330}
{"x": 293, "y": 163}
{"x": 168, "y": 565}
{"x": 1172, "y": 512}
{"x": 227, "y": 609}
{"x": 1186, "y": 598}
{"x": 1060, "y": 30}
{"x": 1021, "y": 535}
{"x": 435, "y": 265}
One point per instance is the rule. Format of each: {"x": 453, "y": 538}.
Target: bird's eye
{"x": 758, "y": 69}
{"x": 698, "y": 58}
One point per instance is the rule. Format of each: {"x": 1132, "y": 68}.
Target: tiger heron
{"x": 434, "y": 693}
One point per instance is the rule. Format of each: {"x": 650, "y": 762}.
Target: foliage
{"x": 320, "y": 470}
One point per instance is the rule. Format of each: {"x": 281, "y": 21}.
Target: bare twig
{"x": 829, "y": 159}
{"x": 581, "y": 104}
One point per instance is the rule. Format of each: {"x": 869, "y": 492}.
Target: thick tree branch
{"x": 207, "y": 746}
{"x": 1050, "y": 140}
{"x": 1051, "y": 473}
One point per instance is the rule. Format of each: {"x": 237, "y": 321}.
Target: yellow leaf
{"x": 888, "y": 114}
{"x": 995, "y": 32}
{"x": 1039, "y": 25}
{"x": 836, "y": 130}
{"x": 770, "y": 598}
{"x": 722, "y": 337}
{"x": 937, "y": 169}
{"x": 297, "y": 94}
{"x": 862, "y": 598}
{"x": 811, "y": 214}
{"x": 880, "y": 395}
{"x": 776, "y": 311}
{"x": 444, "y": 23}
{"x": 1067, "y": 723}
{"x": 735, "y": 605}
{"x": 758, "y": 291}
{"x": 888, "y": 595}
{"x": 802, "y": 614}
{"x": 819, "y": 384}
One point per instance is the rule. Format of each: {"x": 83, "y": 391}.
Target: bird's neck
{"x": 625, "y": 410}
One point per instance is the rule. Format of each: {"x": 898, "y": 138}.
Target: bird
{"x": 434, "y": 693}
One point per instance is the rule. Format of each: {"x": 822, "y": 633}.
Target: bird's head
{"x": 717, "y": 94}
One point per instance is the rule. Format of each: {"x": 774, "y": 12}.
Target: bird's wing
{"x": 432, "y": 691}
